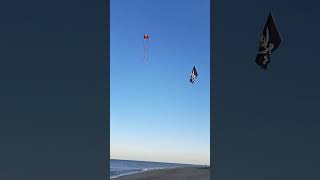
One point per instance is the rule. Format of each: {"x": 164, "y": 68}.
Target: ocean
{"x": 125, "y": 167}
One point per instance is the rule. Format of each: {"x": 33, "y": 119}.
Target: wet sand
{"x": 189, "y": 173}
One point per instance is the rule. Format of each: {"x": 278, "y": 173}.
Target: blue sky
{"x": 156, "y": 113}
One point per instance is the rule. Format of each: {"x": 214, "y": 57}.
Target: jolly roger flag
{"x": 269, "y": 42}
{"x": 194, "y": 74}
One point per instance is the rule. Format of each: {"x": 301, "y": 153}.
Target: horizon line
{"x": 160, "y": 162}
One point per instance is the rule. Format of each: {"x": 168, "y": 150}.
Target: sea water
{"x": 125, "y": 167}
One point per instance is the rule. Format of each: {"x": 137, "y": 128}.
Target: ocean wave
{"x": 124, "y": 167}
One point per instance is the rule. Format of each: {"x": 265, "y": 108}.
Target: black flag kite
{"x": 269, "y": 42}
{"x": 194, "y": 74}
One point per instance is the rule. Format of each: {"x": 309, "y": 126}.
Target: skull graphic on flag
{"x": 269, "y": 41}
{"x": 194, "y": 74}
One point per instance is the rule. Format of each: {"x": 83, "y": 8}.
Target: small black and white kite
{"x": 269, "y": 42}
{"x": 194, "y": 74}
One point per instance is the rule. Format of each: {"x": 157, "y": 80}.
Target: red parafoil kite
{"x": 146, "y": 47}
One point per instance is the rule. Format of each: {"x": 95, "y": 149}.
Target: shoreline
{"x": 177, "y": 173}
{"x": 142, "y": 171}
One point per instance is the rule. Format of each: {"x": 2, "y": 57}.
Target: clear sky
{"x": 156, "y": 113}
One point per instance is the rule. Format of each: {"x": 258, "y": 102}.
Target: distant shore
{"x": 185, "y": 173}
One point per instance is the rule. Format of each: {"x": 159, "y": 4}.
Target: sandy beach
{"x": 189, "y": 173}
